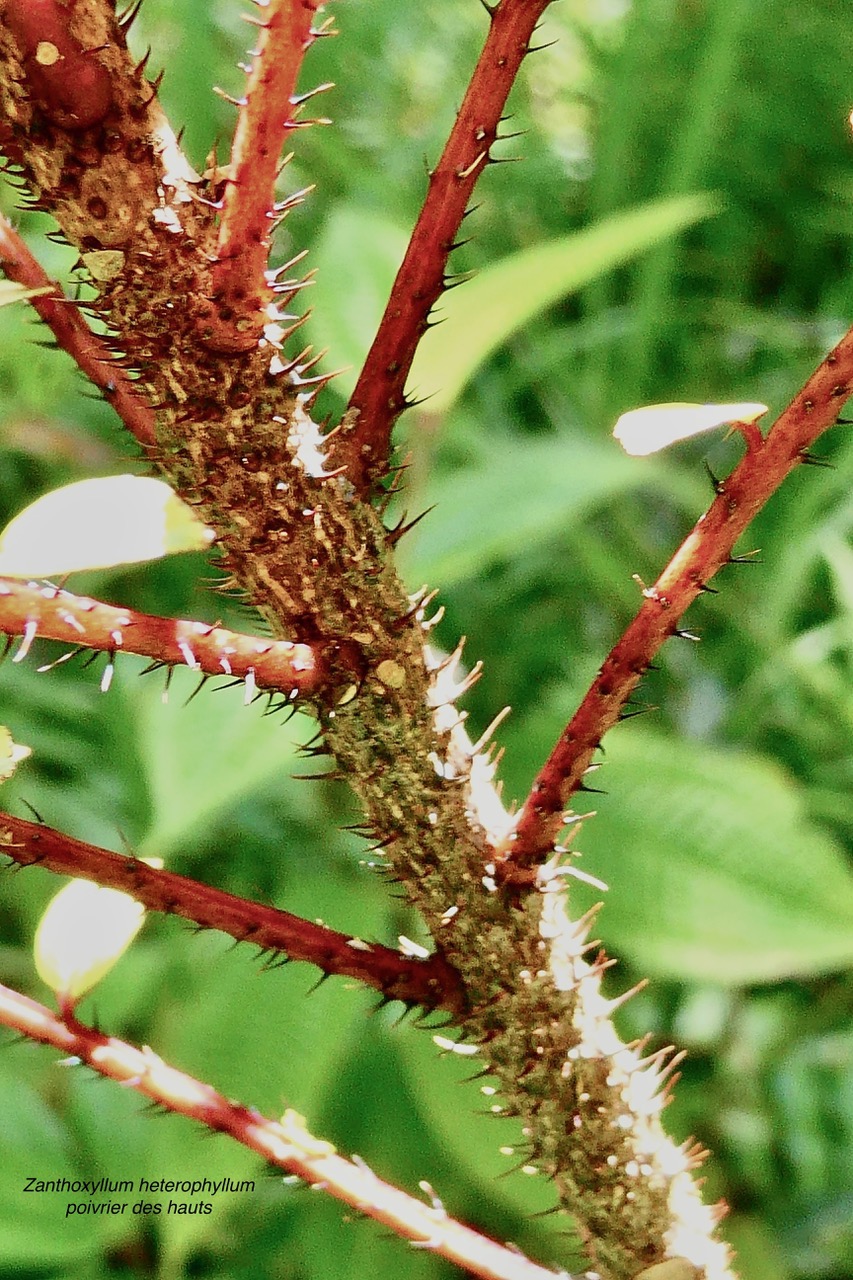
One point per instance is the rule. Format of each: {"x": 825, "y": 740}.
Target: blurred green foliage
{"x": 727, "y": 821}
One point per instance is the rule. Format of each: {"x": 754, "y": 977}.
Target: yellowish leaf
{"x": 10, "y": 291}
{"x": 84, "y": 931}
{"x": 95, "y": 524}
{"x": 644, "y": 431}
{"x": 11, "y": 754}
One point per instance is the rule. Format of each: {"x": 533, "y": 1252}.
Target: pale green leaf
{"x": 500, "y": 300}
{"x": 716, "y": 871}
{"x": 10, "y": 291}
{"x": 646, "y": 430}
{"x": 95, "y": 524}
{"x": 84, "y": 931}
{"x": 11, "y": 754}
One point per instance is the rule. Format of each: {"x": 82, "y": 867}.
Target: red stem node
{"x": 69, "y": 84}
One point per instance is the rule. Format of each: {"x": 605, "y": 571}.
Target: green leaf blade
{"x": 716, "y": 871}
{"x": 477, "y": 319}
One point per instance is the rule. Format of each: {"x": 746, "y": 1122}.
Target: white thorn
{"x": 30, "y": 629}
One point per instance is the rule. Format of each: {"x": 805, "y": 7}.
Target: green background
{"x": 726, "y": 822}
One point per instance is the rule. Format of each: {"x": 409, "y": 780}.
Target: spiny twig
{"x": 69, "y": 326}
{"x": 267, "y": 111}
{"x": 429, "y": 981}
{"x": 378, "y": 398}
{"x": 295, "y": 670}
{"x": 284, "y": 1143}
{"x": 238, "y": 443}
{"x": 703, "y": 553}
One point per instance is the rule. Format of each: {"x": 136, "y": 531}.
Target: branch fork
{"x": 187, "y": 298}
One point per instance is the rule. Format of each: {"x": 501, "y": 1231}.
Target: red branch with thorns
{"x": 703, "y": 553}
{"x": 379, "y": 393}
{"x": 248, "y": 215}
{"x": 527, "y": 996}
{"x": 286, "y": 1143}
{"x": 429, "y": 982}
{"x": 51, "y": 614}
{"x": 73, "y": 334}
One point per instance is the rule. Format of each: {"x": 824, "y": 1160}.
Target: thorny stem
{"x": 294, "y": 670}
{"x": 378, "y": 398}
{"x": 69, "y": 326}
{"x": 428, "y": 981}
{"x": 703, "y": 553}
{"x": 248, "y": 218}
{"x": 285, "y": 1144}
{"x": 237, "y": 441}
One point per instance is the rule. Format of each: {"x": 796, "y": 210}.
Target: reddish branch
{"x": 285, "y": 1143}
{"x": 429, "y": 982}
{"x": 248, "y": 215}
{"x": 69, "y": 82}
{"x": 379, "y": 393}
{"x": 47, "y": 612}
{"x": 710, "y": 545}
{"x": 73, "y": 334}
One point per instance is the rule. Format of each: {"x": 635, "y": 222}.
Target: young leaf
{"x": 11, "y": 754}
{"x": 644, "y": 431}
{"x": 10, "y": 291}
{"x": 500, "y": 300}
{"x": 84, "y": 931}
{"x": 95, "y": 524}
